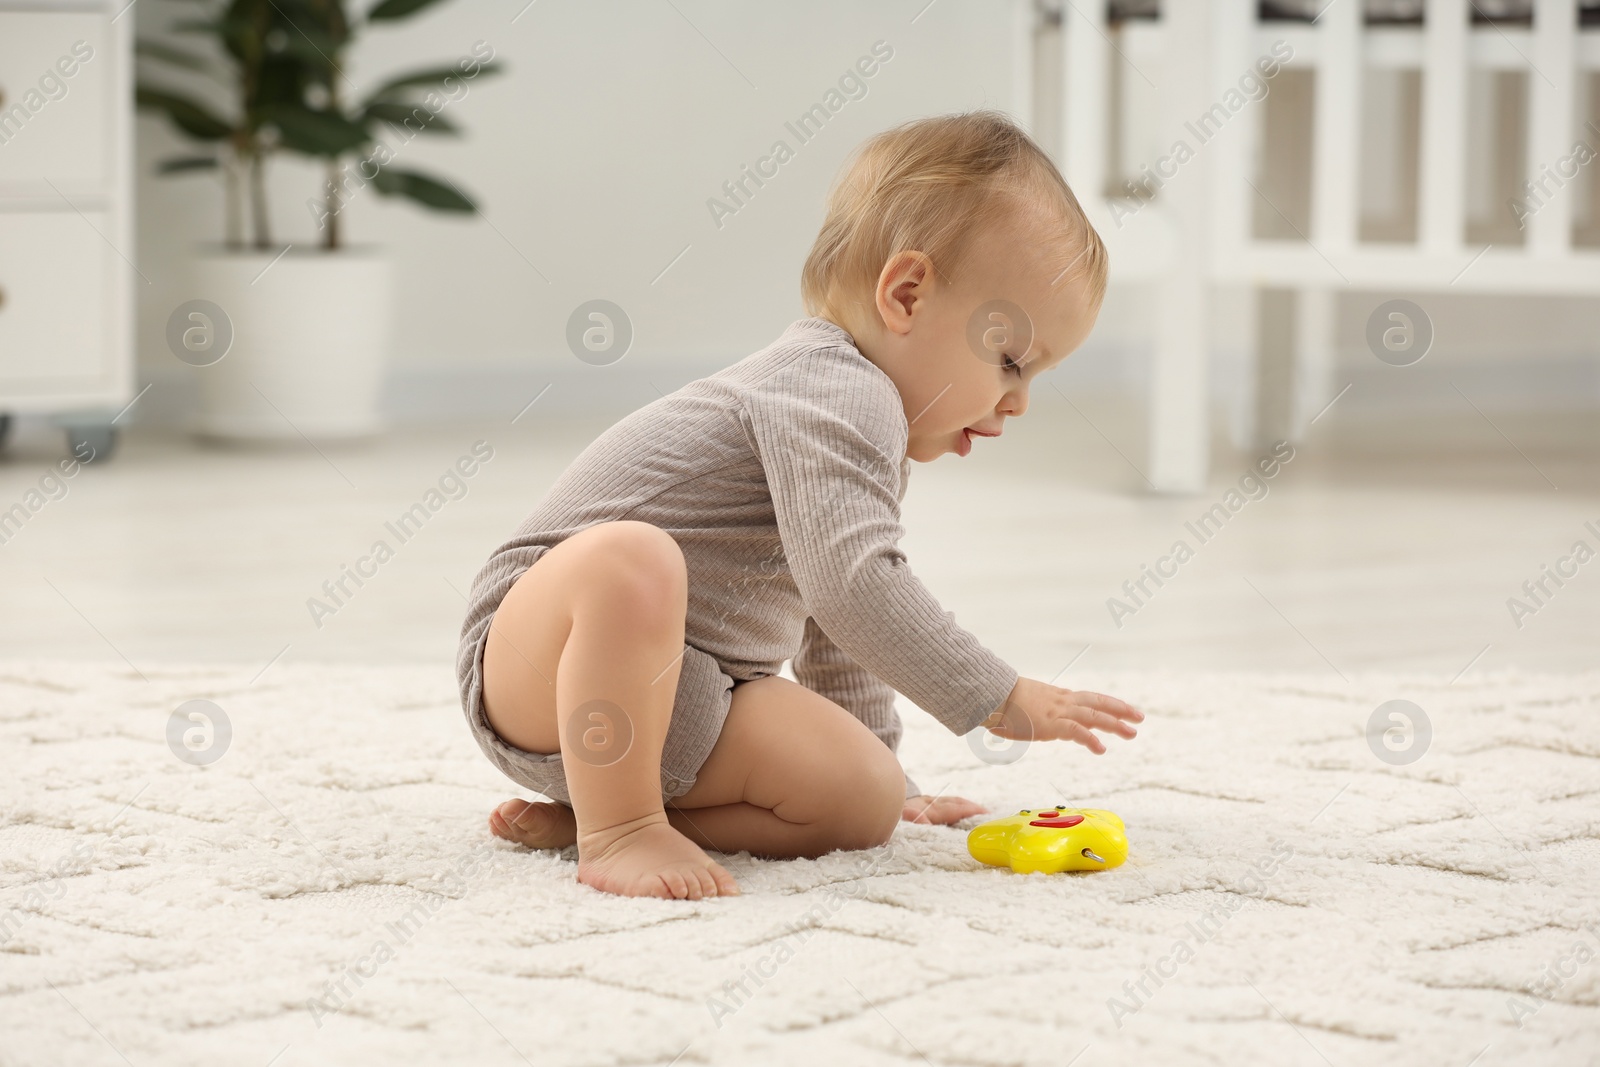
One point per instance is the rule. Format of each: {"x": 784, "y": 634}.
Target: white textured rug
{"x": 1290, "y": 897}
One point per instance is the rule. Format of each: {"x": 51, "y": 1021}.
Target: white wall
{"x": 593, "y": 158}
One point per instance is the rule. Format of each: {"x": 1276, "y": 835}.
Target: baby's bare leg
{"x": 601, "y": 616}
{"x": 792, "y": 774}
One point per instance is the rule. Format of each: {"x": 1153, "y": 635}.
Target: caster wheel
{"x": 92, "y": 444}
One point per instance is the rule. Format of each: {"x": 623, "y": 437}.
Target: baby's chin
{"x": 928, "y": 451}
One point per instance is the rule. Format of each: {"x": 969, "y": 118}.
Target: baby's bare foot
{"x": 648, "y": 858}
{"x": 535, "y": 825}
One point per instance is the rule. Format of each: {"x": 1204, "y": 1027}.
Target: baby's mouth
{"x": 964, "y": 439}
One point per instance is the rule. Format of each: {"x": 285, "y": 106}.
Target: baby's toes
{"x": 694, "y": 884}
{"x": 722, "y": 881}
{"x": 534, "y": 825}
{"x": 675, "y": 883}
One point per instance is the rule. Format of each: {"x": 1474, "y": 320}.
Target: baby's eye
{"x": 1011, "y": 364}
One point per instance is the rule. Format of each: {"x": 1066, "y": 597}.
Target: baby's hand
{"x": 941, "y": 809}
{"x": 1039, "y": 711}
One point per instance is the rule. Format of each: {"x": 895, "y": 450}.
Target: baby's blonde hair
{"x": 929, "y": 185}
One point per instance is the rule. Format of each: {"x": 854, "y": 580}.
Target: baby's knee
{"x": 630, "y": 570}
{"x": 871, "y": 803}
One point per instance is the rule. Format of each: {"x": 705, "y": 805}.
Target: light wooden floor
{"x": 1380, "y": 546}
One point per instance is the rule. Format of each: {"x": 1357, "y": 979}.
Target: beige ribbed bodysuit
{"x": 780, "y": 477}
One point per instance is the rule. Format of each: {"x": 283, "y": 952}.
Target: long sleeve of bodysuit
{"x": 832, "y": 443}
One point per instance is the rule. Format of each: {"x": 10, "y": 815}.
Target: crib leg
{"x": 1274, "y": 370}
{"x": 1243, "y": 355}
{"x": 1180, "y": 424}
{"x": 1180, "y": 394}
{"x": 1313, "y": 364}
{"x": 1294, "y": 368}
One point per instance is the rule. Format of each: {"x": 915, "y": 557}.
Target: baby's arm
{"x": 832, "y": 442}
{"x": 831, "y": 437}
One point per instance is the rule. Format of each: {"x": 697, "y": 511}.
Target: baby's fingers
{"x": 1065, "y": 729}
{"x": 1108, "y": 704}
{"x": 1102, "y": 720}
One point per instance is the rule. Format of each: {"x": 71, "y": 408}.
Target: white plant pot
{"x": 310, "y": 339}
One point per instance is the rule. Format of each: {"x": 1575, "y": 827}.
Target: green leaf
{"x": 315, "y": 133}
{"x": 192, "y": 118}
{"x": 166, "y": 53}
{"x": 322, "y": 17}
{"x": 397, "y": 9}
{"x": 240, "y": 38}
{"x": 210, "y": 26}
{"x": 186, "y": 163}
{"x": 428, "y": 78}
{"x": 423, "y": 189}
{"x": 281, "y": 81}
{"x": 420, "y": 119}
{"x": 308, "y": 44}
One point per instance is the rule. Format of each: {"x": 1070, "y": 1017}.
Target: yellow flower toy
{"x": 1051, "y": 840}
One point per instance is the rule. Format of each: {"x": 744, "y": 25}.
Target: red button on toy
{"x": 1061, "y": 823}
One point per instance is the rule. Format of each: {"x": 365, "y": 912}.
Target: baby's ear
{"x": 903, "y": 284}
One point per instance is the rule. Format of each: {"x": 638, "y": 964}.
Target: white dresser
{"x": 66, "y": 229}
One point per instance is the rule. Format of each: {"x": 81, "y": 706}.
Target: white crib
{"x": 1197, "y": 233}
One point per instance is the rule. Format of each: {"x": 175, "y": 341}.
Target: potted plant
{"x": 308, "y": 324}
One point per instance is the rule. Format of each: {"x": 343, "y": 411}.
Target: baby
{"x": 621, "y": 652}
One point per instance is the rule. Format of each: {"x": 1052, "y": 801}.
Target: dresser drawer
{"x": 57, "y": 71}
{"x": 58, "y": 291}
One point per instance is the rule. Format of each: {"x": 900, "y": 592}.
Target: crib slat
{"x": 1085, "y": 82}
{"x": 1441, "y": 199}
{"x": 1547, "y": 206}
{"x": 1336, "y": 148}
